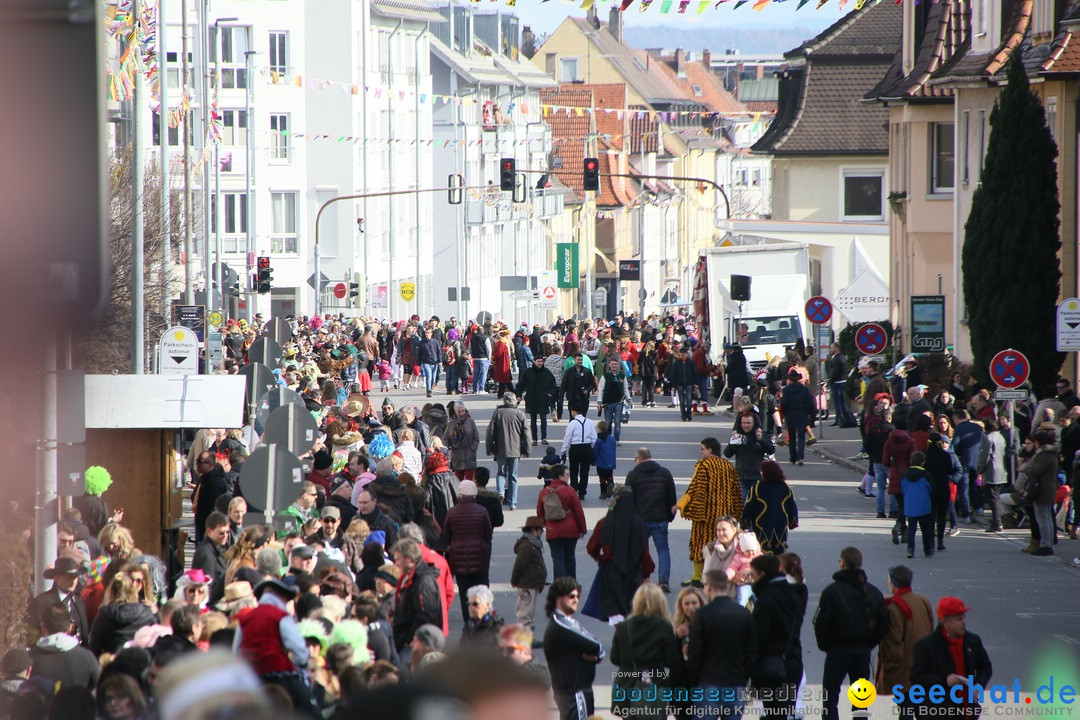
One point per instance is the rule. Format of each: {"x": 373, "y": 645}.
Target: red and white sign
{"x": 548, "y": 293}
{"x": 341, "y": 290}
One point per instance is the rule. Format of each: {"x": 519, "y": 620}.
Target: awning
{"x": 408, "y": 10}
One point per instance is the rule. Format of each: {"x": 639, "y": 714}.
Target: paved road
{"x": 1025, "y": 608}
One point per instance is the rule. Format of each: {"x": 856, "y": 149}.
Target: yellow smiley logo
{"x": 862, "y": 693}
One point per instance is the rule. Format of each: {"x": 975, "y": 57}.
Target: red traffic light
{"x": 264, "y": 262}
{"x": 508, "y": 164}
{"x": 590, "y": 164}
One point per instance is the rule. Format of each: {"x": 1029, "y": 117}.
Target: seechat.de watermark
{"x": 1002, "y": 699}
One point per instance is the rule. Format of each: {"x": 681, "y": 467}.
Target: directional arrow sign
{"x": 1009, "y": 369}
{"x": 1068, "y": 325}
{"x": 322, "y": 280}
{"x": 871, "y": 339}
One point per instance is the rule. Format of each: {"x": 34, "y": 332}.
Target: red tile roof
{"x": 713, "y": 94}
{"x": 569, "y": 130}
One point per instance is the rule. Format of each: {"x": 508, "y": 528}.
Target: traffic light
{"x": 266, "y": 274}
{"x": 507, "y": 174}
{"x": 456, "y": 193}
{"x": 354, "y": 290}
{"x": 591, "y": 175}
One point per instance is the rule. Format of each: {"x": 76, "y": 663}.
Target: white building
{"x": 341, "y": 104}
{"x": 488, "y": 245}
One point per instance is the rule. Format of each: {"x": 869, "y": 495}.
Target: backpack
{"x": 448, "y": 355}
{"x": 552, "y": 504}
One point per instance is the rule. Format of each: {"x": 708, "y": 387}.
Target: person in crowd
{"x": 722, "y": 650}
{"x": 487, "y": 498}
{"x": 896, "y": 456}
{"x": 331, "y": 535}
{"x": 578, "y": 385}
{"x": 911, "y": 617}
{"x": 441, "y": 485}
{"x": 463, "y": 438}
{"x": 564, "y": 522}
{"x": 16, "y": 667}
{"x": 613, "y": 393}
{"x": 950, "y": 656}
{"x": 851, "y": 620}
{"x": 571, "y": 651}
{"x": 538, "y": 389}
{"x": 577, "y": 448}
{"x": 800, "y": 411}
{"x": 267, "y": 637}
{"x": 779, "y": 609}
{"x": 516, "y": 643}
{"x": 417, "y": 598}
{"x": 749, "y": 445}
{"x": 427, "y": 640}
{"x": 467, "y": 535}
{"x": 121, "y": 614}
{"x": 604, "y": 457}
{"x": 714, "y": 491}
{"x": 770, "y": 509}
{"x": 210, "y": 554}
{"x": 212, "y": 484}
{"x": 649, "y": 369}
{"x": 946, "y": 473}
{"x": 683, "y": 377}
{"x": 1040, "y": 473}
{"x": 389, "y": 491}
{"x": 620, "y": 546}
{"x": 57, "y": 654}
{"x": 687, "y": 603}
{"x": 302, "y": 510}
{"x": 65, "y": 574}
{"x": 236, "y": 511}
{"x": 529, "y": 574}
{"x": 645, "y": 651}
{"x": 654, "y": 499}
{"x": 483, "y": 624}
{"x": 556, "y": 365}
{"x": 368, "y": 510}
{"x": 507, "y": 442}
{"x": 917, "y": 490}
{"x": 837, "y": 375}
{"x": 445, "y": 579}
{"x": 967, "y": 440}
{"x": 120, "y": 697}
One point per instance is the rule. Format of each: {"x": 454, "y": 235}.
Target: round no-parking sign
{"x": 871, "y": 339}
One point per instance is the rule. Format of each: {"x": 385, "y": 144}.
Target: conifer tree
{"x": 1011, "y": 269}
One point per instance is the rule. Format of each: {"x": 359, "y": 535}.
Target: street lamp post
{"x": 217, "y": 164}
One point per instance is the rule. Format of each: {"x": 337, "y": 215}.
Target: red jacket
{"x": 896, "y": 455}
{"x": 261, "y": 642}
{"x": 571, "y": 526}
{"x": 445, "y": 582}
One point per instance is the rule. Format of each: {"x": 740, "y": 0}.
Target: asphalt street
{"x": 1024, "y": 608}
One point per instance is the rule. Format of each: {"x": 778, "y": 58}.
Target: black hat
{"x": 285, "y": 589}
{"x": 323, "y": 460}
{"x": 63, "y": 566}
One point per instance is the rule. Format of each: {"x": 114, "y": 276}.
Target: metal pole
{"x": 189, "y": 290}
{"x": 390, "y": 170}
{"x": 528, "y": 262}
{"x": 249, "y": 176}
{"x": 366, "y": 14}
{"x": 138, "y": 302}
{"x": 416, "y": 68}
{"x": 45, "y": 507}
{"x": 204, "y": 101}
{"x": 318, "y": 271}
{"x": 218, "y": 274}
{"x": 163, "y": 137}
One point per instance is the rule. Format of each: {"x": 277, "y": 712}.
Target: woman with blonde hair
{"x": 689, "y": 601}
{"x": 643, "y": 645}
{"x": 119, "y": 617}
{"x": 243, "y": 553}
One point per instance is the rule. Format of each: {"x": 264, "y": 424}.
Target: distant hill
{"x": 747, "y": 40}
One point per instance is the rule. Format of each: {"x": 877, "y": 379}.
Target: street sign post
{"x": 193, "y": 317}
{"x": 524, "y": 295}
{"x": 270, "y": 478}
{"x": 214, "y": 354}
{"x": 819, "y": 310}
{"x": 272, "y": 400}
{"x": 322, "y": 281}
{"x": 266, "y": 351}
{"x": 1010, "y": 369}
{"x": 216, "y": 319}
{"x": 1068, "y": 325}
{"x": 871, "y": 339}
{"x": 279, "y": 330}
{"x": 178, "y": 352}
{"x": 292, "y": 427}
{"x": 1018, "y": 394}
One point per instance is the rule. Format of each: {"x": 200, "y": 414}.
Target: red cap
{"x": 950, "y": 605}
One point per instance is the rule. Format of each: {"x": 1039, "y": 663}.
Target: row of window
{"x": 234, "y": 213}
{"x": 234, "y": 128}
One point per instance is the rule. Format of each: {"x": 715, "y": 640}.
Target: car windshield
{"x": 771, "y": 330}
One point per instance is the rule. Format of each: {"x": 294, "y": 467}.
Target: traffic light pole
{"x": 362, "y": 196}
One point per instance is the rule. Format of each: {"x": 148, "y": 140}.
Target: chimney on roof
{"x": 680, "y": 62}
{"x": 706, "y": 59}
{"x": 590, "y": 16}
{"x": 615, "y": 23}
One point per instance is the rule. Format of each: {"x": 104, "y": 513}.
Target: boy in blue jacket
{"x": 918, "y": 505}
{"x": 551, "y": 459}
{"x": 604, "y": 456}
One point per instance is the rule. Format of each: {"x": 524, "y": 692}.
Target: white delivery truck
{"x": 774, "y": 316}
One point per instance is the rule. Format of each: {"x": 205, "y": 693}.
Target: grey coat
{"x": 463, "y": 439}
{"x": 994, "y": 471}
{"x": 506, "y": 436}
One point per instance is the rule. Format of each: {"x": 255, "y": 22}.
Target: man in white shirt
{"x": 577, "y": 448}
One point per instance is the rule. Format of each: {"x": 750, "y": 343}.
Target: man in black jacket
{"x": 369, "y": 512}
{"x": 571, "y": 652}
{"x": 578, "y": 385}
{"x": 722, "y": 649}
{"x": 851, "y": 619}
{"x": 210, "y": 554}
{"x": 654, "y": 500}
{"x": 837, "y": 384}
{"x": 417, "y": 600}
{"x": 429, "y": 354}
{"x": 683, "y": 376}
{"x": 212, "y": 483}
{"x": 65, "y": 591}
{"x": 58, "y": 656}
{"x": 934, "y": 661}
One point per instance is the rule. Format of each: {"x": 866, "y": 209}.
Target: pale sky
{"x": 546, "y": 16}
